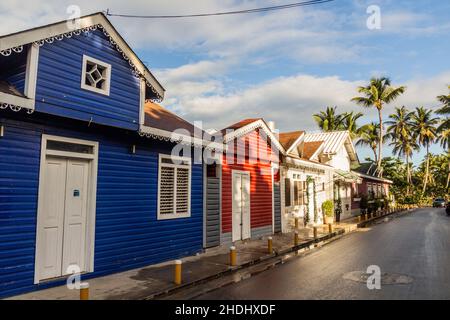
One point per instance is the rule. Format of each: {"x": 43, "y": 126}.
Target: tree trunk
{"x": 408, "y": 175}
{"x": 448, "y": 174}
{"x": 375, "y": 156}
{"x": 380, "y": 143}
{"x": 448, "y": 177}
{"x": 425, "y": 178}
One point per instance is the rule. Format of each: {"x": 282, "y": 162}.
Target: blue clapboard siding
{"x": 58, "y": 89}
{"x": 128, "y": 234}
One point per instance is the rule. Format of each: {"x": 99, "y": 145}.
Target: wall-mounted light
{"x": 133, "y": 149}
{"x": 2, "y": 131}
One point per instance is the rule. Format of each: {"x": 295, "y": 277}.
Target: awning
{"x": 346, "y": 176}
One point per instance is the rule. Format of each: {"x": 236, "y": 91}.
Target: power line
{"x": 254, "y": 10}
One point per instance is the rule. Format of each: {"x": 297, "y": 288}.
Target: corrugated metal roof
{"x": 332, "y": 140}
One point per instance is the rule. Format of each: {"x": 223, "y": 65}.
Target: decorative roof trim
{"x": 14, "y": 107}
{"x": 174, "y": 137}
{"x": 294, "y": 162}
{"x": 14, "y": 43}
{"x": 251, "y": 127}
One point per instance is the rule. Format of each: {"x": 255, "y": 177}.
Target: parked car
{"x": 439, "y": 203}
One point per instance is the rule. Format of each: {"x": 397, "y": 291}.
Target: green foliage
{"x": 364, "y": 203}
{"x": 377, "y": 204}
{"x": 327, "y": 208}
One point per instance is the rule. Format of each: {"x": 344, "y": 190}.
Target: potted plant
{"x": 327, "y": 208}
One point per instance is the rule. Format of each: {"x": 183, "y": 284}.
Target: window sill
{"x": 173, "y": 216}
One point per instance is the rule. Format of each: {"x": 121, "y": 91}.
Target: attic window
{"x": 96, "y": 75}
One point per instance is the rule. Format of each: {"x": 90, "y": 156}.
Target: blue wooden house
{"x": 86, "y": 173}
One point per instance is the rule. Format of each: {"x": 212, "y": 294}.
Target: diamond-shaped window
{"x": 96, "y": 76}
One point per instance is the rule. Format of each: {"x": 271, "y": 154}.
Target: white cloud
{"x": 291, "y": 101}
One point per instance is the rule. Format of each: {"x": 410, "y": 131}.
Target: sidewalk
{"x": 143, "y": 283}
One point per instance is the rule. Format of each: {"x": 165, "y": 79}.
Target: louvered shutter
{"x": 182, "y": 199}
{"x": 166, "y": 190}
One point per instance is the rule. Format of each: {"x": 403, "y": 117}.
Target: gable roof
{"x": 309, "y": 149}
{"x": 156, "y": 116}
{"x": 13, "y": 43}
{"x": 288, "y": 139}
{"x": 160, "y": 123}
{"x": 368, "y": 170}
{"x": 333, "y": 141}
{"x": 245, "y": 126}
{"x": 365, "y": 168}
{"x": 240, "y": 124}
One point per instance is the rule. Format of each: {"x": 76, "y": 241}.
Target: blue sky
{"x": 284, "y": 65}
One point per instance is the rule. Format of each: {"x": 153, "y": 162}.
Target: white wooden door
{"x": 246, "y": 230}
{"x": 51, "y": 218}
{"x": 240, "y": 206}
{"x": 74, "y": 242}
{"x": 62, "y": 217}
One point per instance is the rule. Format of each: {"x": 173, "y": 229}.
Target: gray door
{"x": 277, "y": 207}
{"x": 212, "y": 212}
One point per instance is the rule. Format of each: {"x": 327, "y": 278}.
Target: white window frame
{"x": 28, "y": 101}
{"x": 108, "y": 76}
{"x": 174, "y": 215}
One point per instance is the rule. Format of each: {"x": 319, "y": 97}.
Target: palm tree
{"x": 329, "y": 120}
{"x": 444, "y": 127}
{"x": 424, "y": 126}
{"x": 349, "y": 123}
{"x": 378, "y": 93}
{"x": 370, "y": 137}
{"x": 399, "y": 131}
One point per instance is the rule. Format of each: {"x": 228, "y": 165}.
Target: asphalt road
{"x": 416, "y": 245}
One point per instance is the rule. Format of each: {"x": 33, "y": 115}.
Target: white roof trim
{"x": 300, "y": 138}
{"x": 293, "y": 160}
{"x": 178, "y": 138}
{"x": 10, "y": 99}
{"x": 47, "y": 34}
{"x": 250, "y": 127}
{"x": 334, "y": 140}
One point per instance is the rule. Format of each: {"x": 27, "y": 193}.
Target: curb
{"x": 248, "y": 264}
{"x": 364, "y": 223}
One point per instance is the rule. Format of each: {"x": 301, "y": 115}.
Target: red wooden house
{"x": 249, "y": 181}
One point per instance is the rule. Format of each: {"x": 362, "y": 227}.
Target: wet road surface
{"x": 415, "y": 246}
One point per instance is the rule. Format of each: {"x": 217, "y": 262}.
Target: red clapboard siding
{"x": 260, "y": 181}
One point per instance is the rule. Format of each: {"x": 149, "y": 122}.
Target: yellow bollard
{"x": 177, "y": 272}
{"x": 315, "y": 232}
{"x": 84, "y": 291}
{"x": 296, "y": 223}
{"x": 233, "y": 256}
{"x": 269, "y": 245}
{"x": 296, "y": 238}
{"x": 330, "y": 228}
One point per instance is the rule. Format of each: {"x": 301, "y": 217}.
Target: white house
{"x": 302, "y": 177}
{"x": 335, "y": 149}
